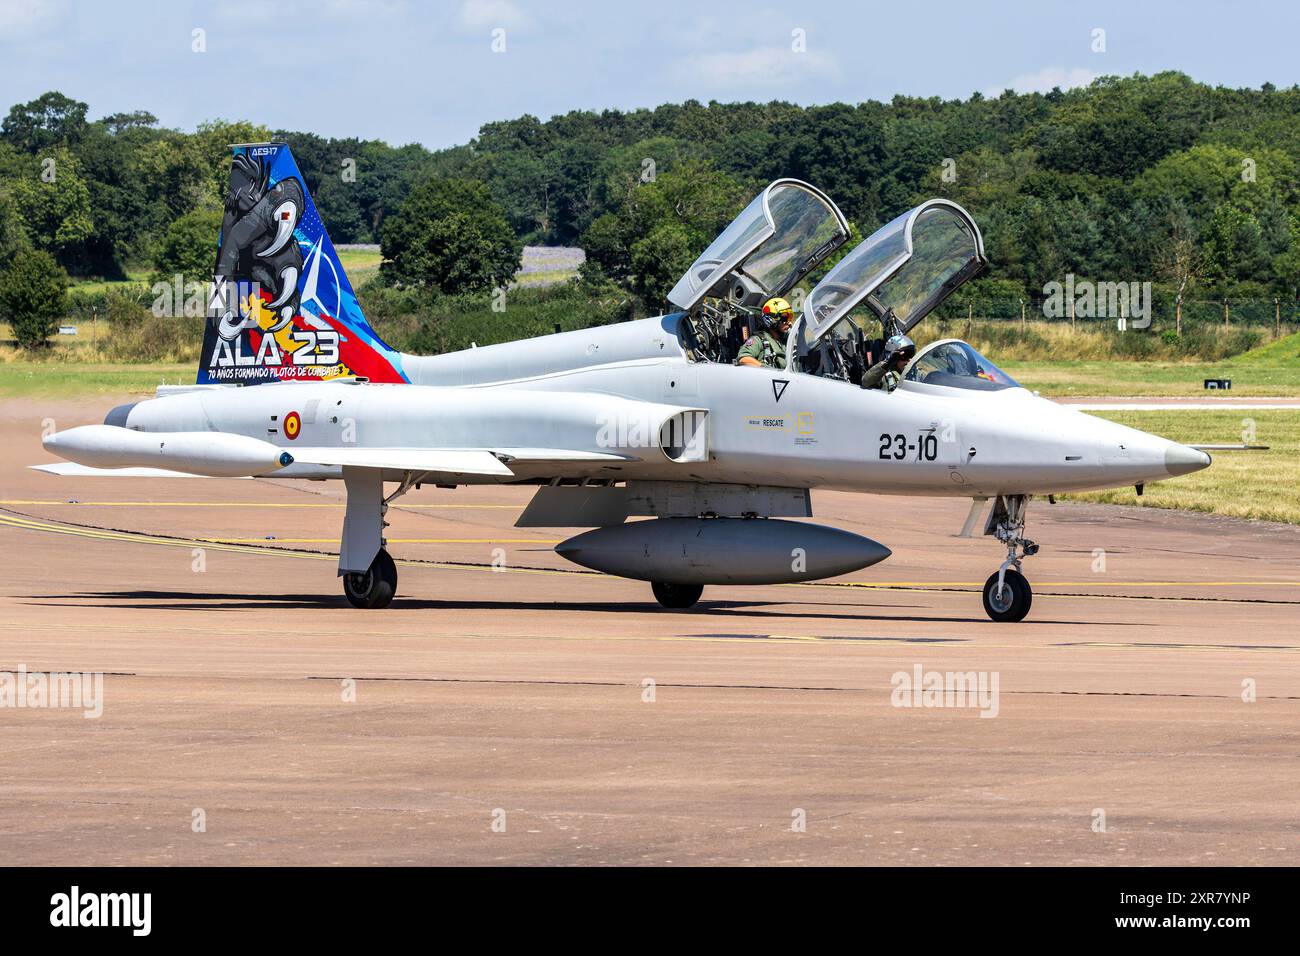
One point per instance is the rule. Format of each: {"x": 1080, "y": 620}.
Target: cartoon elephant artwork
{"x": 257, "y": 242}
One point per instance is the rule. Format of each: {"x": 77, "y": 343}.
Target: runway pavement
{"x": 512, "y": 708}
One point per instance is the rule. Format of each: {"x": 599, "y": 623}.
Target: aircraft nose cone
{"x": 1181, "y": 460}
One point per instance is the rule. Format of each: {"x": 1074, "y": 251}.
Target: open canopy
{"x": 901, "y": 272}
{"x": 788, "y": 228}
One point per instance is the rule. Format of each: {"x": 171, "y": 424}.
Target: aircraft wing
{"x": 447, "y": 461}
{"x": 450, "y": 461}
{"x": 534, "y": 455}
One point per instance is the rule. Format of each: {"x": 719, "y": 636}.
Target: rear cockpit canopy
{"x": 779, "y": 238}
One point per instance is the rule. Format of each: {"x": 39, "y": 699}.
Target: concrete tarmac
{"x": 510, "y": 708}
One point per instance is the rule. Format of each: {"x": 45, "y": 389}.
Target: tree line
{"x": 1136, "y": 178}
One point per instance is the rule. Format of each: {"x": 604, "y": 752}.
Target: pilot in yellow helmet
{"x": 767, "y": 345}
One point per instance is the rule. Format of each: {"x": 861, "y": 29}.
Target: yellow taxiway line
{"x": 267, "y": 547}
{"x": 103, "y": 534}
{"x": 222, "y": 504}
{"x": 335, "y": 541}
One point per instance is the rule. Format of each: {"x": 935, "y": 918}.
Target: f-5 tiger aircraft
{"x": 644, "y": 419}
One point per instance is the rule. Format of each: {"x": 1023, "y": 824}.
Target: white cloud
{"x": 364, "y": 8}
{"x": 1045, "y": 80}
{"x": 490, "y": 14}
{"x": 258, "y": 11}
{"x": 22, "y": 16}
{"x": 762, "y": 67}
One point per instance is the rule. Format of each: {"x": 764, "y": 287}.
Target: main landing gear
{"x": 367, "y": 569}
{"x": 373, "y": 587}
{"x": 1007, "y": 595}
{"x": 677, "y": 597}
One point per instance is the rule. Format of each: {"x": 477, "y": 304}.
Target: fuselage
{"x": 584, "y": 391}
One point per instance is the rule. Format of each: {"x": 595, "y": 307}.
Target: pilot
{"x": 888, "y": 372}
{"x": 767, "y": 345}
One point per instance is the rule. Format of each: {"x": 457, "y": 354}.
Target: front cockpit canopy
{"x": 779, "y": 238}
{"x": 901, "y": 272}
{"x": 952, "y": 363}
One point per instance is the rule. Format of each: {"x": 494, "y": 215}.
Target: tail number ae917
{"x": 897, "y": 447}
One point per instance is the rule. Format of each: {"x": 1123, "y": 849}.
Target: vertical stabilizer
{"x": 283, "y": 308}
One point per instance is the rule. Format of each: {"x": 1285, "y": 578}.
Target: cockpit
{"x": 893, "y": 279}
{"x": 952, "y": 363}
{"x": 787, "y": 231}
{"x": 885, "y": 286}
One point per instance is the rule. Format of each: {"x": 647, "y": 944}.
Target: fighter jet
{"x": 642, "y": 419}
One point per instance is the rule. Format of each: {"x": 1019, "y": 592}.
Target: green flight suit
{"x": 765, "y": 347}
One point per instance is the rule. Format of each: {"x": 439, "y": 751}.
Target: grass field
{"x": 1118, "y": 378}
{"x": 361, "y": 263}
{"x": 68, "y": 380}
{"x": 1240, "y": 484}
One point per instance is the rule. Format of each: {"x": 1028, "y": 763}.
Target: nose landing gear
{"x": 1007, "y": 594}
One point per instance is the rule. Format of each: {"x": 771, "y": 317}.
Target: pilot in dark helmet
{"x": 766, "y": 347}
{"x": 888, "y": 372}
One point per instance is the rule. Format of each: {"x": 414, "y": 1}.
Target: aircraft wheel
{"x": 373, "y": 587}
{"x": 677, "y": 596}
{"x": 1012, "y": 603}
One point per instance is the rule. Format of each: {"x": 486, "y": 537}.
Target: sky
{"x": 433, "y": 72}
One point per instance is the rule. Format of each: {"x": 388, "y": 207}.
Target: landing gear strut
{"x": 368, "y": 572}
{"x": 373, "y": 587}
{"x": 677, "y": 596}
{"x": 1007, "y": 595}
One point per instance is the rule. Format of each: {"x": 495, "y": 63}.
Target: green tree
{"x": 13, "y": 237}
{"x": 450, "y": 235}
{"x": 50, "y": 120}
{"x": 190, "y": 247}
{"x": 54, "y": 200}
{"x": 661, "y": 226}
{"x": 661, "y": 258}
{"x": 33, "y": 292}
{"x": 125, "y": 228}
{"x": 1234, "y": 246}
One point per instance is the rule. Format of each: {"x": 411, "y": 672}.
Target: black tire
{"x": 678, "y": 597}
{"x": 374, "y": 587}
{"x": 1013, "y": 603}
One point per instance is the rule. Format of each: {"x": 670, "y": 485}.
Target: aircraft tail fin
{"x": 282, "y": 307}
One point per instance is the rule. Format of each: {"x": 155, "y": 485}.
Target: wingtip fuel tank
{"x": 210, "y": 454}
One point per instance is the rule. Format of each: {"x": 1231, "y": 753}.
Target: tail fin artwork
{"x": 282, "y": 307}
